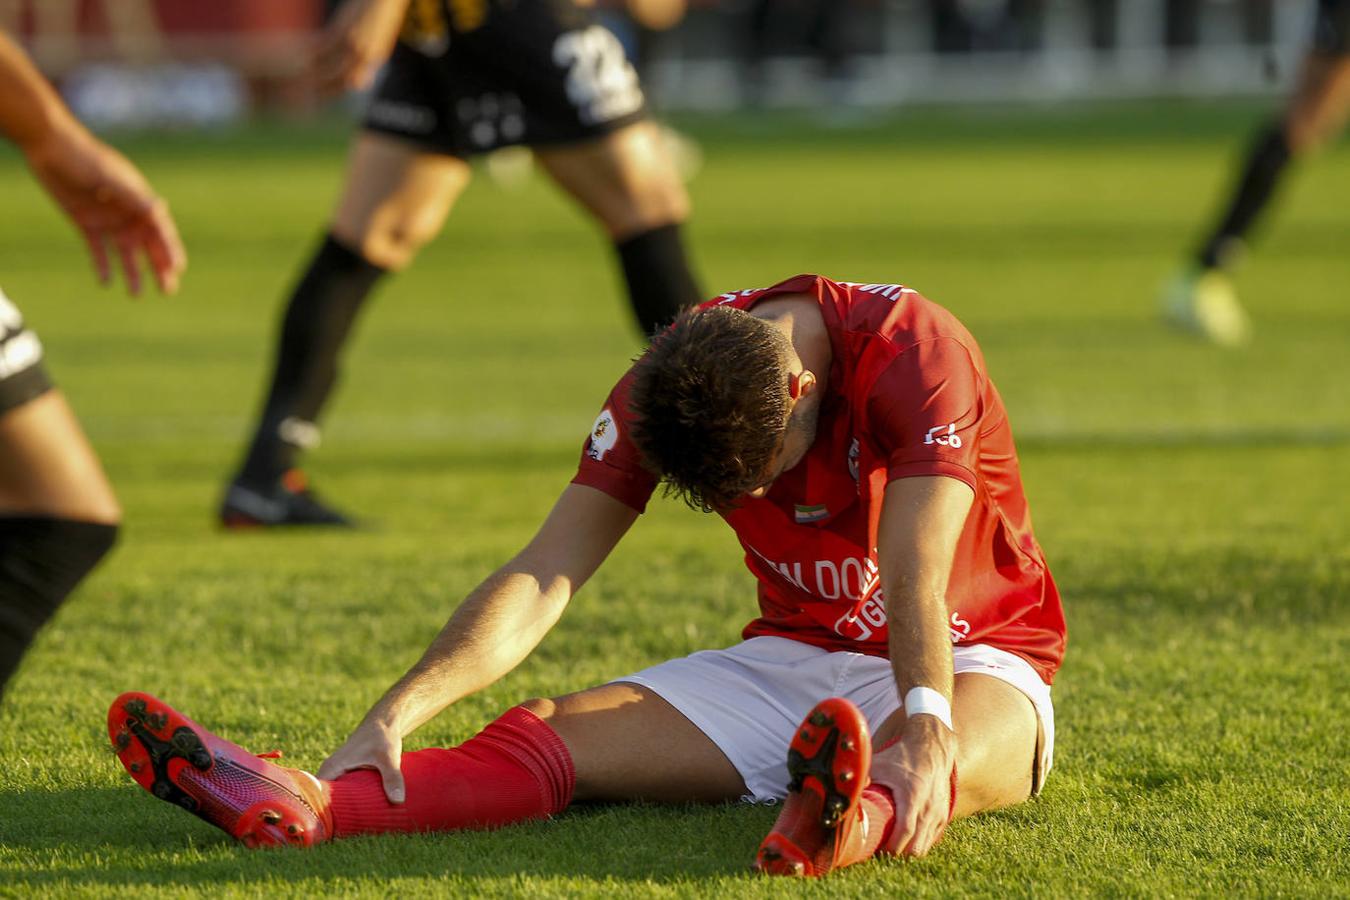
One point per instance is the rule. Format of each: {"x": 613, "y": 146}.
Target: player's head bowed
{"x": 710, "y": 399}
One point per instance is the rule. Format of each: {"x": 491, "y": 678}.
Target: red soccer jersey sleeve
{"x": 925, "y": 411}
{"x": 609, "y": 460}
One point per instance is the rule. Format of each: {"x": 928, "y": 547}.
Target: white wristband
{"x": 926, "y": 701}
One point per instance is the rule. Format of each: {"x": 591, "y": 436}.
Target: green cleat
{"x": 1202, "y": 302}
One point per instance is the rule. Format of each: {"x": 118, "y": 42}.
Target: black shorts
{"x": 1331, "y": 34}
{"x": 22, "y": 375}
{"x": 469, "y": 76}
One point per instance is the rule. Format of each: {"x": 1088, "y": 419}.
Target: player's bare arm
{"x": 356, "y": 43}
{"x": 921, "y": 521}
{"x": 102, "y": 193}
{"x": 496, "y": 627}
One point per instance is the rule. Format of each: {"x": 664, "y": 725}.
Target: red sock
{"x": 517, "y": 768}
{"x": 878, "y": 805}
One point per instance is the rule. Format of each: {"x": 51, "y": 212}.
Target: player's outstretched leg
{"x": 249, "y": 798}
{"x": 514, "y": 770}
{"x": 823, "y": 824}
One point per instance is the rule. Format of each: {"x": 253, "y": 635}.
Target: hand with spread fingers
{"x": 112, "y": 205}
{"x": 356, "y": 43}
{"x": 106, "y": 196}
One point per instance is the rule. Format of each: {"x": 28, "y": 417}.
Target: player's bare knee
{"x": 542, "y": 707}
{"x": 667, "y": 203}
{"x": 994, "y": 767}
{"x": 391, "y": 248}
{"x": 653, "y": 207}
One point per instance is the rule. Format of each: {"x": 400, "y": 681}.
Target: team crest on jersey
{"x": 854, "y": 451}
{"x": 604, "y": 435}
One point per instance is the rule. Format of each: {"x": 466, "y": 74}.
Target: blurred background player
{"x": 463, "y": 78}
{"x": 1202, "y": 299}
{"x": 58, "y": 514}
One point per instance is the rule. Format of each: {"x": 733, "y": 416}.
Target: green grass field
{"x": 1194, "y": 504}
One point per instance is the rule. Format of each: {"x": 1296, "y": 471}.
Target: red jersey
{"x": 907, "y": 395}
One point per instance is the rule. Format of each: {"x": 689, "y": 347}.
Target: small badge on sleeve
{"x": 604, "y": 435}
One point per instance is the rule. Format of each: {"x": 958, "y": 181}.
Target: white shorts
{"x": 750, "y": 698}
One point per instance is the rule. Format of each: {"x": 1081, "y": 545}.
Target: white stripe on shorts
{"x": 750, "y": 698}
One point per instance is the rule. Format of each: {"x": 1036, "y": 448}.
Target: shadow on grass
{"x": 119, "y": 837}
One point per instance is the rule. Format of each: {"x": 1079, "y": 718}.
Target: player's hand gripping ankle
{"x": 372, "y": 745}
{"x": 918, "y": 770}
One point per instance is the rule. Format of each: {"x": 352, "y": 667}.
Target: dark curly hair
{"x": 710, "y": 404}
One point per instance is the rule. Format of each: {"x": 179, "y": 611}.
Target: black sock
{"x": 41, "y": 561}
{"x": 659, "y": 281}
{"x": 1265, "y": 161}
{"x": 318, "y": 319}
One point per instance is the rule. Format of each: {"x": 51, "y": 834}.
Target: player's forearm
{"x": 922, "y": 520}
{"x": 488, "y": 636}
{"x": 31, "y": 112}
{"x": 919, "y": 643}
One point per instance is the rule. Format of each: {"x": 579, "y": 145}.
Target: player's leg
{"x": 1004, "y": 744}
{"x": 627, "y": 180}
{"x": 1202, "y": 299}
{"x": 617, "y": 741}
{"x": 1315, "y": 113}
{"x": 613, "y": 742}
{"x": 628, "y": 744}
{"x": 58, "y": 514}
{"x": 396, "y": 198}
{"x": 575, "y": 99}
{"x": 997, "y": 737}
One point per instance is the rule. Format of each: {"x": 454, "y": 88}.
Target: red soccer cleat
{"x": 252, "y": 800}
{"x": 828, "y": 761}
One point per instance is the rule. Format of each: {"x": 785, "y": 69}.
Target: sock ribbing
{"x": 515, "y": 769}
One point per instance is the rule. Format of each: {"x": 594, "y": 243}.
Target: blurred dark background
{"x": 188, "y": 63}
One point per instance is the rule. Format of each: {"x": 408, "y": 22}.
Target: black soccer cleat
{"x": 286, "y": 502}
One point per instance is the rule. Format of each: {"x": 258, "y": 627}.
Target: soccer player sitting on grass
{"x": 849, "y": 435}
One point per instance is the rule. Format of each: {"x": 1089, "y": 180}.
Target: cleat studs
{"x": 848, "y": 744}
{"x": 270, "y": 817}
{"x": 819, "y": 719}
{"x": 135, "y": 708}
{"x": 200, "y": 759}
{"x": 846, "y": 776}
{"x": 122, "y": 741}
{"x": 162, "y": 790}
{"x": 293, "y": 829}
{"x": 135, "y": 768}
{"x": 157, "y": 721}
{"x": 805, "y": 735}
